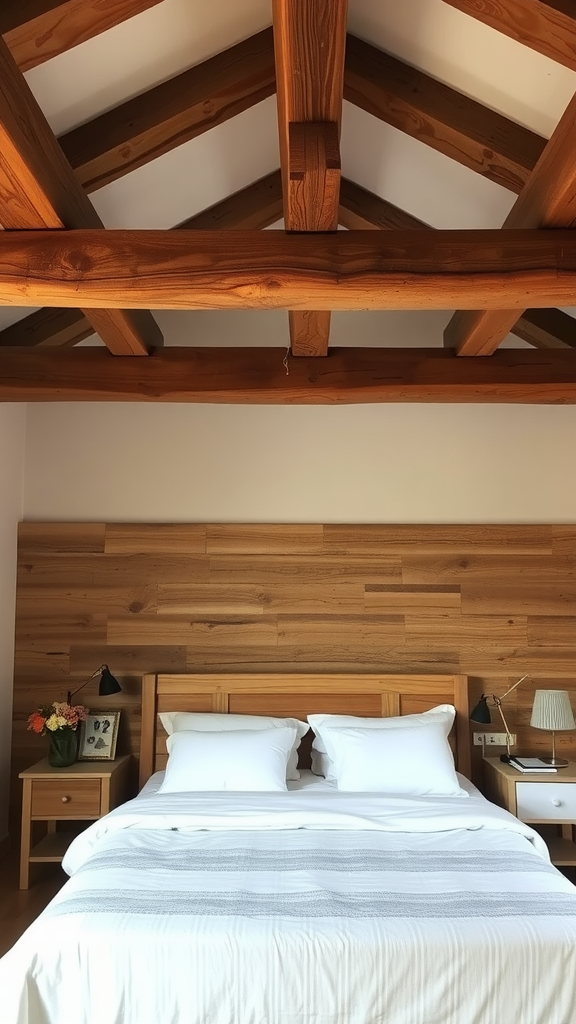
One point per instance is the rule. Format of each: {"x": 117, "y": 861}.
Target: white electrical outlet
{"x": 492, "y": 739}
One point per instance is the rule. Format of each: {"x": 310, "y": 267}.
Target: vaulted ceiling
{"x": 145, "y": 144}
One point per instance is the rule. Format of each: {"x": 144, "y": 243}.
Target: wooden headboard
{"x": 297, "y": 695}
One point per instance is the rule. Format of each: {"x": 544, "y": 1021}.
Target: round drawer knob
{"x": 65, "y": 799}
{"x": 557, "y": 802}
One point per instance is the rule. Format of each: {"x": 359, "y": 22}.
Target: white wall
{"x": 371, "y": 463}
{"x": 12, "y": 436}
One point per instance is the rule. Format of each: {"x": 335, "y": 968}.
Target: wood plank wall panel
{"x": 492, "y": 602}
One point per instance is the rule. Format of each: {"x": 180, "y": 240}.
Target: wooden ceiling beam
{"x": 53, "y": 328}
{"x": 546, "y": 328}
{"x": 257, "y": 206}
{"x": 433, "y": 113}
{"x": 278, "y": 270}
{"x": 314, "y": 176}
{"x": 547, "y": 201}
{"x": 36, "y": 30}
{"x": 258, "y": 376}
{"x": 361, "y": 209}
{"x": 180, "y": 109}
{"x": 309, "y": 44}
{"x": 548, "y": 26}
{"x": 38, "y": 189}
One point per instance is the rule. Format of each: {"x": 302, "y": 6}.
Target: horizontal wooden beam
{"x": 180, "y": 109}
{"x": 360, "y": 209}
{"x": 258, "y": 376}
{"x": 548, "y": 26}
{"x": 273, "y": 270}
{"x": 439, "y": 116}
{"x": 36, "y": 30}
{"x": 256, "y": 206}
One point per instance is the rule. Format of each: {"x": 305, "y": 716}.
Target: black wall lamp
{"x": 481, "y": 713}
{"x": 108, "y": 683}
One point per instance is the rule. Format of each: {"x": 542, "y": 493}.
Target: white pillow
{"x": 443, "y": 714}
{"x": 185, "y": 721}
{"x": 253, "y": 760}
{"x": 412, "y": 761}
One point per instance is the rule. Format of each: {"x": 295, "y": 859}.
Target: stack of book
{"x": 531, "y": 765}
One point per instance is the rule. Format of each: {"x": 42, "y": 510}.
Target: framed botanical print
{"x": 98, "y": 735}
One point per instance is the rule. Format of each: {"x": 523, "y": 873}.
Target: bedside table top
{"x": 567, "y": 774}
{"x": 78, "y": 770}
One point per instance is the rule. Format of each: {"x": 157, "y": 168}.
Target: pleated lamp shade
{"x": 552, "y": 710}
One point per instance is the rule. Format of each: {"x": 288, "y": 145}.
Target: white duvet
{"x": 306, "y": 907}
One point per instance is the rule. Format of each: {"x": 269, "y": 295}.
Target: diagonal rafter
{"x": 36, "y": 30}
{"x": 169, "y": 114}
{"x": 439, "y": 116}
{"x": 548, "y": 26}
{"x": 361, "y": 209}
{"x": 38, "y": 189}
{"x": 309, "y": 44}
{"x": 548, "y": 200}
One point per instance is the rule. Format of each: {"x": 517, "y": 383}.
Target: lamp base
{"x": 556, "y": 762}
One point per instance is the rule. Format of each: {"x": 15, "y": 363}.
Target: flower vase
{"x": 63, "y": 748}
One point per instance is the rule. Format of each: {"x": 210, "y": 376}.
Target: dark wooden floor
{"x": 18, "y": 908}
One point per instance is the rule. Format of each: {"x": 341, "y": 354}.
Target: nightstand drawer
{"x": 62, "y": 798}
{"x": 546, "y": 801}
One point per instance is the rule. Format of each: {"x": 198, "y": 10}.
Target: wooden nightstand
{"x": 538, "y": 800}
{"x": 84, "y": 791}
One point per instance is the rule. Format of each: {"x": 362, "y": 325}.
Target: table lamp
{"x": 552, "y": 711}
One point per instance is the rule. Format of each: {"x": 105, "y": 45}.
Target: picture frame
{"x": 98, "y": 736}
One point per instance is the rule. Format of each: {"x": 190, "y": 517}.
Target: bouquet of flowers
{"x": 59, "y": 715}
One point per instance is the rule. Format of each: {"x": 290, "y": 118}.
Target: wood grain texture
{"x": 257, "y": 206}
{"x": 548, "y": 200}
{"x": 361, "y": 209}
{"x": 309, "y": 332}
{"x": 258, "y": 376}
{"x": 53, "y": 328}
{"x": 298, "y": 694}
{"x": 491, "y": 601}
{"x": 180, "y": 109}
{"x": 36, "y": 30}
{"x": 309, "y": 44}
{"x": 273, "y": 270}
{"x": 437, "y": 115}
{"x": 254, "y": 207}
{"x": 313, "y": 176}
{"x": 548, "y": 26}
{"x": 546, "y": 328}
{"x": 38, "y": 189}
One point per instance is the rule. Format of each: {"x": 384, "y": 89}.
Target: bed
{"x": 308, "y": 905}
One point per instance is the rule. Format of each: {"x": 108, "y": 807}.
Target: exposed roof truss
{"x": 387, "y": 259}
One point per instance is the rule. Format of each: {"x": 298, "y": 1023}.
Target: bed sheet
{"x": 310, "y": 907}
